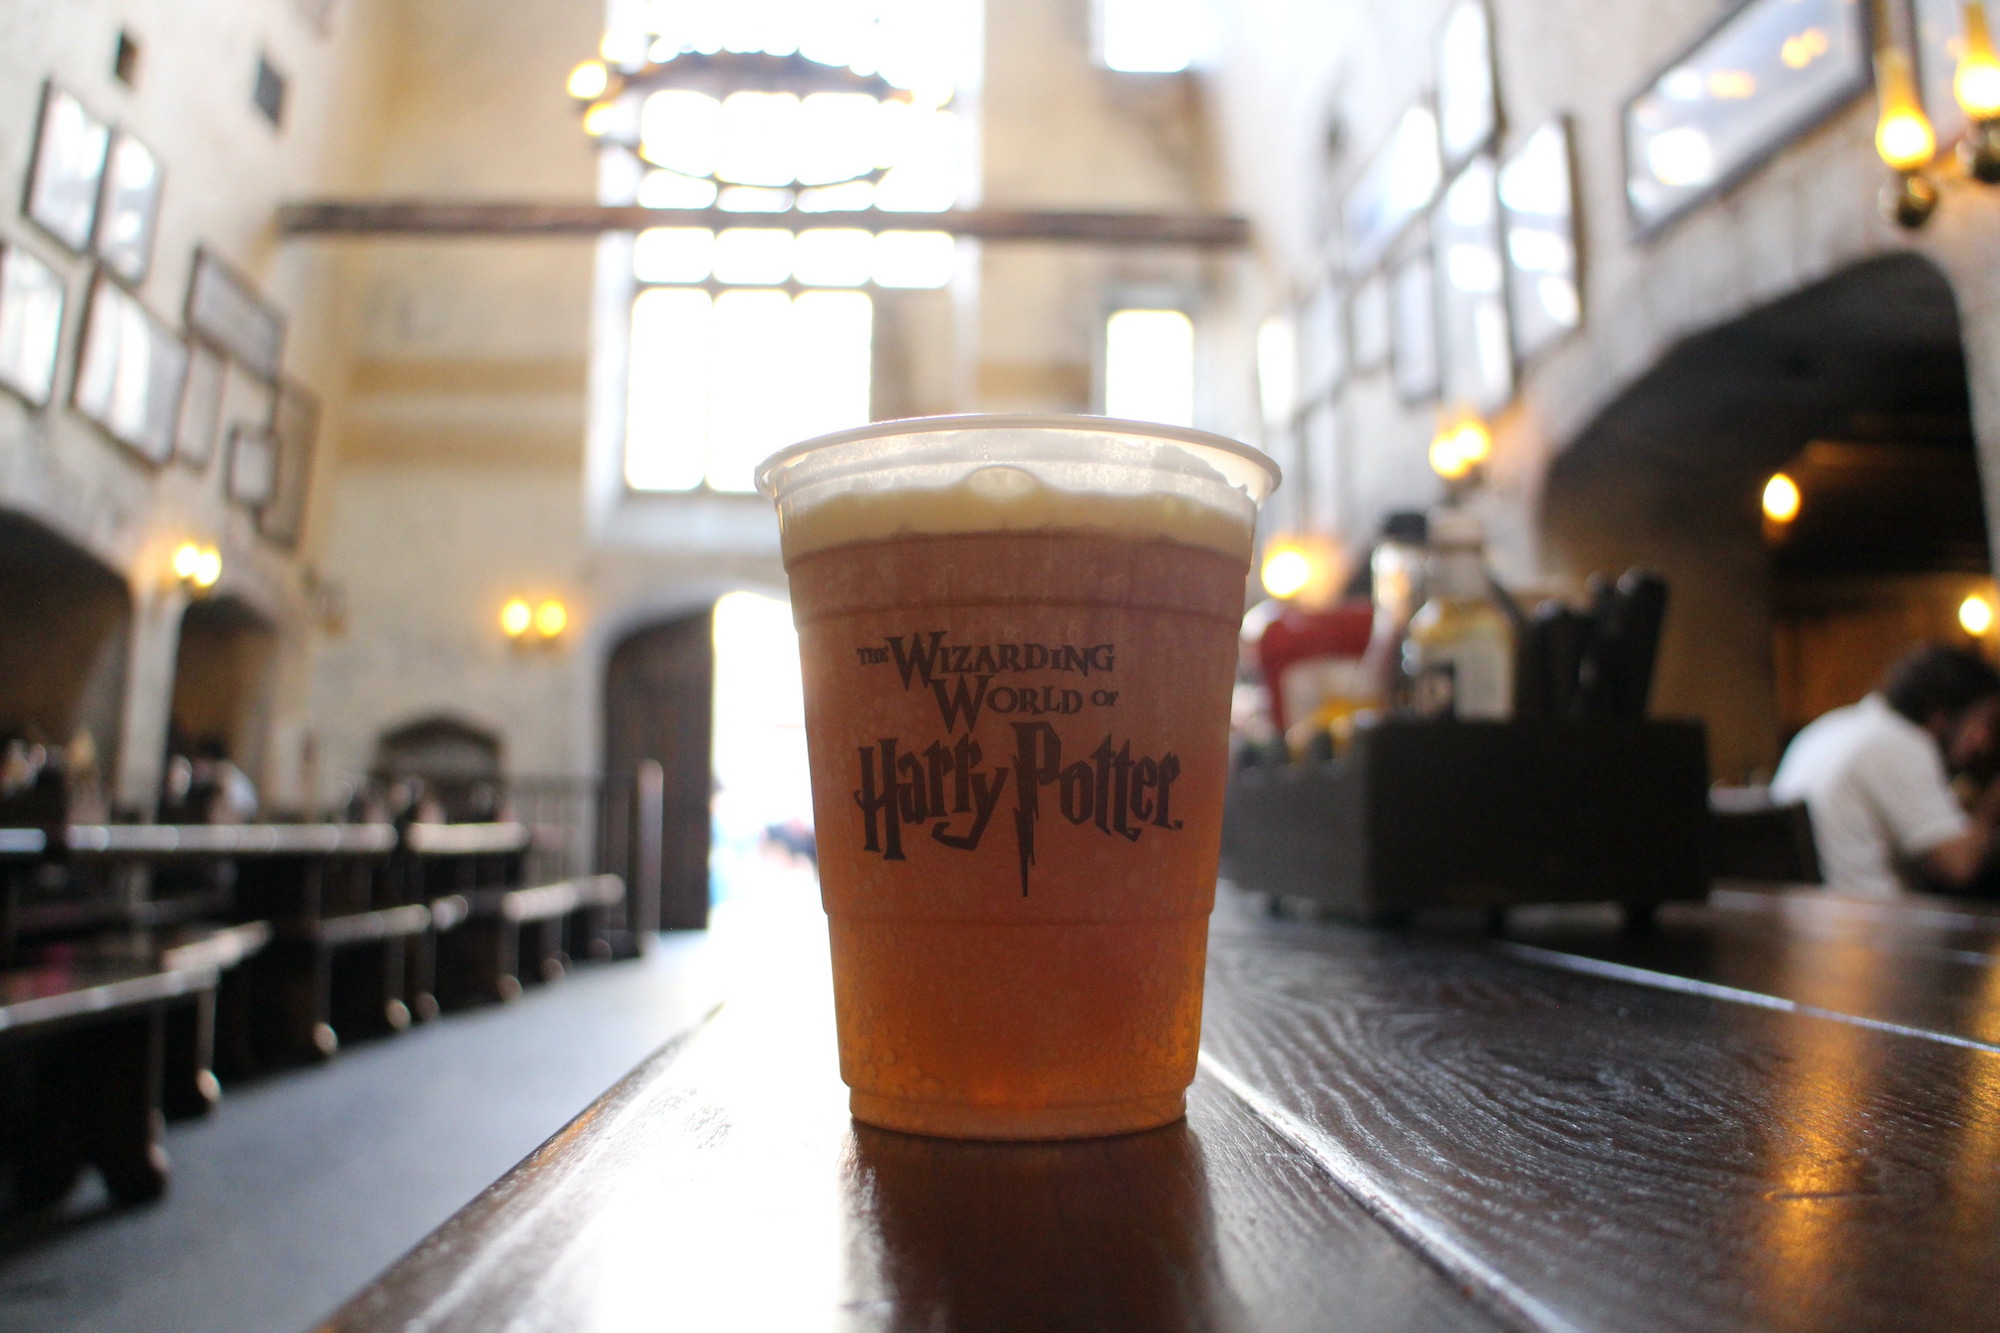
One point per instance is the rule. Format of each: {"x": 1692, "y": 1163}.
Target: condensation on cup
{"x": 1019, "y": 639}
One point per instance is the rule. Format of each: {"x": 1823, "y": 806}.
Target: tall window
{"x": 1151, "y": 36}
{"x": 744, "y": 338}
{"x": 1149, "y": 366}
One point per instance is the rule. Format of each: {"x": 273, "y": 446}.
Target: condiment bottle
{"x": 1458, "y": 652}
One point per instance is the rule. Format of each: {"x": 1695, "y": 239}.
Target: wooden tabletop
{"x": 1773, "y": 1113}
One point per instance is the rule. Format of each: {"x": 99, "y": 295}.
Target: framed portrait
{"x": 1322, "y": 341}
{"x": 31, "y": 312}
{"x": 1393, "y": 190}
{"x": 252, "y": 476}
{"x": 1767, "y": 73}
{"x": 1368, "y": 324}
{"x": 130, "y": 211}
{"x": 200, "y": 419}
{"x": 1468, "y": 91}
{"x": 129, "y": 372}
{"x": 229, "y": 314}
{"x": 1474, "y": 342}
{"x": 1413, "y": 329}
{"x": 1538, "y": 215}
{"x": 294, "y": 434}
{"x": 64, "y": 182}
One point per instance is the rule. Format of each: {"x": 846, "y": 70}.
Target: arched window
{"x": 740, "y": 337}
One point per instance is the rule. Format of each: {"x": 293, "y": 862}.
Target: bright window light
{"x": 833, "y": 257}
{"x": 785, "y": 370}
{"x": 681, "y": 131}
{"x": 924, "y": 147}
{"x": 753, "y": 255}
{"x": 666, "y": 408}
{"x": 838, "y": 137}
{"x": 1151, "y": 36}
{"x": 914, "y": 259}
{"x": 1149, "y": 366}
{"x": 673, "y": 254}
{"x": 670, "y": 189}
{"x": 760, "y": 139}
{"x": 1278, "y": 369}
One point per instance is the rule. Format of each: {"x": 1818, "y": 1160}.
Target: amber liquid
{"x": 1019, "y": 745}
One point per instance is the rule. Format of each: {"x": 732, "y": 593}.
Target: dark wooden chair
{"x": 1754, "y": 837}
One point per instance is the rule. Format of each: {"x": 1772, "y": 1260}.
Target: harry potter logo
{"x": 949, "y": 788}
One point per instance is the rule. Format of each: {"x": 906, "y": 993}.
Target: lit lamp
{"x": 1305, "y": 570}
{"x": 527, "y": 624}
{"x": 1904, "y": 139}
{"x": 1781, "y": 499}
{"x": 1976, "y": 85}
{"x": 1459, "y": 448}
{"x": 197, "y": 568}
{"x": 1975, "y": 616}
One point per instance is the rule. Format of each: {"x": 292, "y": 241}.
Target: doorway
{"x": 658, "y": 697}
{"x": 1855, "y": 388}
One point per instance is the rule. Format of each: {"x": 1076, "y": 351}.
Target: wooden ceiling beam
{"x": 428, "y": 217}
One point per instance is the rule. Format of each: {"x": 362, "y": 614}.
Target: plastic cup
{"x": 1019, "y": 637}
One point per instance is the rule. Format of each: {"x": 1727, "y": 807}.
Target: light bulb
{"x": 551, "y": 617}
{"x": 1975, "y": 613}
{"x": 1287, "y": 571}
{"x": 588, "y": 80}
{"x": 1903, "y": 136}
{"x": 187, "y": 558}
{"x": 1781, "y": 498}
{"x": 597, "y": 120}
{"x": 515, "y": 617}
{"x": 1976, "y": 85}
{"x": 207, "y": 568}
{"x": 1460, "y": 447}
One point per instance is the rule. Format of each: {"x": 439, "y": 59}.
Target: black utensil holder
{"x": 1422, "y": 814}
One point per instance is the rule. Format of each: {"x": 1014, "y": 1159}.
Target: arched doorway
{"x": 222, "y": 683}
{"x": 658, "y": 702}
{"x": 1855, "y": 387}
{"x": 64, "y": 641}
{"x": 458, "y": 762}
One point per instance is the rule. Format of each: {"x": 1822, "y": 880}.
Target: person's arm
{"x": 1956, "y": 862}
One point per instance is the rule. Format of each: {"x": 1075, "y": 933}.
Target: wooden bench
{"x": 82, "y": 1048}
{"x": 516, "y": 937}
{"x": 1783, "y": 1118}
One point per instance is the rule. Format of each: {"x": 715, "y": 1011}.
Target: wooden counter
{"x": 1775, "y": 1112}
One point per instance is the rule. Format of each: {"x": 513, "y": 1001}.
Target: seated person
{"x": 1874, "y": 776}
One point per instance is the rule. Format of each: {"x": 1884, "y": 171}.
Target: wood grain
{"x": 1610, "y": 1156}
{"x": 722, "y": 1186}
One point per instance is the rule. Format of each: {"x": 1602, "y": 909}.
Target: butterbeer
{"x": 1017, "y": 699}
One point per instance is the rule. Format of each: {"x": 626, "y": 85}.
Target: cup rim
{"x": 1018, "y": 421}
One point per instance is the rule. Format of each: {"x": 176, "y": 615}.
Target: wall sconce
{"x": 197, "y": 568}
{"x": 1781, "y": 498}
{"x": 527, "y": 624}
{"x": 1976, "y": 86}
{"x": 1460, "y": 447}
{"x": 1975, "y": 616}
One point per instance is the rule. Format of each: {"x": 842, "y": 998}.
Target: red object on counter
{"x": 1298, "y": 636}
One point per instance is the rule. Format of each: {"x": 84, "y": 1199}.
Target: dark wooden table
{"x": 1775, "y": 1111}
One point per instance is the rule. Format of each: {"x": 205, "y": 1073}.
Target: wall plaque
{"x": 1770, "y": 71}
{"x": 1537, "y": 207}
{"x": 1413, "y": 329}
{"x": 253, "y": 465}
{"x": 224, "y": 310}
{"x": 294, "y": 433}
{"x": 1468, "y": 92}
{"x": 31, "y": 311}
{"x": 130, "y": 211}
{"x": 200, "y": 419}
{"x": 1476, "y": 348}
{"x": 129, "y": 372}
{"x": 70, "y": 148}
{"x": 1395, "y": 187}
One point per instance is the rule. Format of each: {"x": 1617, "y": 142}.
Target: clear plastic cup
{"x": 1019, "y": 639}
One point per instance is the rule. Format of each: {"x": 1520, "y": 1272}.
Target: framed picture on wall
{"x": 1468, "y": 92}
{"x": 1368, "y": 324}
{"x": 1322, "y": 341}
{"x": 1538, "y": 213}
{"x": 200, "y": 418}
{"x": 1476, "y": 348}
{"x": 1413, "y": 329}
{"x": 294, "y": 433}
{"x": 229, "y": 314}
{"x": 1392, "y": 191}
{"x": 252, "y": 477}
{"x": 31, "y": 311}
{"x": 71, "y": 143}
{"x": 130, "y": 211}
{"x": 129, "y": 372}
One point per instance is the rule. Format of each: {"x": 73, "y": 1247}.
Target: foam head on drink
{"x": 1019, "y": 640}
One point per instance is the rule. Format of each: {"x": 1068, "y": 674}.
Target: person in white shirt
{"x": 1873, "y": 776}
